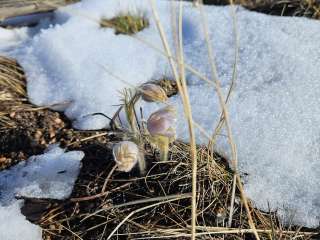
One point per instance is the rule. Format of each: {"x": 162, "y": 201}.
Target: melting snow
{"x": 50, "y": 175}
{"x": 14, "y": 225}
{"x": 274, "y": 107}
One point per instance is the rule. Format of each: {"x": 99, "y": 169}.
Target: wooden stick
{"x": 15, "y": 8}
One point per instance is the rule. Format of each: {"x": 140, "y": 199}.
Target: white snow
{"x": 66, "y": 63}
{"x": 274, "y": 107}
{"x": 14, "y": 225}
{"x": 10, "y": 38}
{"x": 50, "y": 175}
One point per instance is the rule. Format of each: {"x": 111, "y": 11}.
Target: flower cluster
{"x": 161, "y": 130}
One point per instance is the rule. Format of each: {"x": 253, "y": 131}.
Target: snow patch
{"x": 50, "y": 175}
{"x": 14, "y": 225}
{"x": 10, "y": 38}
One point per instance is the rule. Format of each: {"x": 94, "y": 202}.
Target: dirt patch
{"x": 299, "y": 8}
{"x": 34, "y": 130}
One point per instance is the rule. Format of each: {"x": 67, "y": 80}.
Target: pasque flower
{"x": 162, "y": 128}
{"x": 153, "y": 93}
{"x": 163, "y": 122}
{"x": 126, "y": 154}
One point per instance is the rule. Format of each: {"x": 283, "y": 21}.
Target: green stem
{"x": 163, "y": 144}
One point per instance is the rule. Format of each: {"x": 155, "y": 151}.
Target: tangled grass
{"x": 12, "y": 90}
{"x": 299, "y": 8}
{"x": 157, "y": 206}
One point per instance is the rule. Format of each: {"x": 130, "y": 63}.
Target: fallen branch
{"x": 16, "y": 8}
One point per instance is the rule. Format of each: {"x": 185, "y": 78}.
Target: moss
{"x": 125, "y": 24}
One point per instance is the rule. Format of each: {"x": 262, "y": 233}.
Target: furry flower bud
{"x": 153, "y": 93}
{"x": 126, "y": 155}
{"x": 163, "y": 123}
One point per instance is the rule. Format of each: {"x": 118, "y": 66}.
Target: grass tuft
{"x": 125, "y": 24}
{"x": 12, "y": 90}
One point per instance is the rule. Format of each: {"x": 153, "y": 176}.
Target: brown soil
{"x": 34, "y": 131}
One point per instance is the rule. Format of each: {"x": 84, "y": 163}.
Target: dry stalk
{"x": 223, "y": 106}
{"x": 181, "y": 83}
{"x": 169, "y": 199}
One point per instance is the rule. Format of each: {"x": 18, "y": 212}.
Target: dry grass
{"x": 178, "y": 71}
{"x": 12, "y": 90}
{"x": 158, "y": 205}
{"x": 305, "y": 8}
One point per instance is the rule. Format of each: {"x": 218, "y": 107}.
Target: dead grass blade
{"x": 182, "y": 88}
{"x": 223, "y": 106}
{"x": 12, "y": 90}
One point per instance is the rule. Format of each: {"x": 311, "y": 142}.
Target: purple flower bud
{"x": 126, "y": 155}
{"x": 163, "y": 123}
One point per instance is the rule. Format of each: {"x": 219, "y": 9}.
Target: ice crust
{"x": 274, "y": 108}
{"x": 50, "y": 175}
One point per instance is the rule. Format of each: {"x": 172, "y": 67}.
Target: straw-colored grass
{"x": 179, "y": 76}
{"x": 12, "y": 90}
{"x": 304, "y": 8}
{"x": 301, "y": 8}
